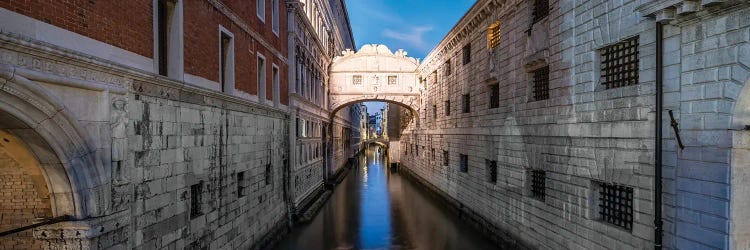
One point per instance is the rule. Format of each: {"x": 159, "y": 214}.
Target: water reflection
{"x": 375, "y": 208}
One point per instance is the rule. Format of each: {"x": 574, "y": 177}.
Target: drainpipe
{"x": 658, "y": 223}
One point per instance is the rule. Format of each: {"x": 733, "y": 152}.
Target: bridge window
{"x": 357, "y": 80}
{"x": 540, "y": 10}
{"x": 448, "y": 69}
{"x": 494, "y": 96}
{"x": 196, "y": 200}
{"x": 493, "y": 35}
{"x": 619, "y": 65}
{"x": 538, "y": 185}
{"x": 466, "y": 103}
{"x": 616, "y": 205}
{"x": 447, "y": 108}
{"x": 446, "y": 158}
{"x": 467, "y": 54}
{"x": 392, "y": 80}
{"x": 491, "y": 171}
{"x": 464, "y": 163}
{"x": 241, "y": 186}
{"x": 541, "y": 83}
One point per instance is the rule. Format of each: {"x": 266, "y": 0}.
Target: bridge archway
{"x": 374, "y": 73}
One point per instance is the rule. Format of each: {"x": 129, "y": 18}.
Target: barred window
{"x": 392, "y": 80}
{"x": 541, "y": 10}
{"x": 467, "y": 54}
{"x": 491, "y": 171}
{"x": 432, "y": 153}
{"x": 357, "y": 80}
{"x": 434, "y": 112}
{"x": 619, "y": 64}
{"x": 465, "y": 103}
{"x": 446, "y": 158}
{"x": 541, "y": 83}
{"x": 538, "y": 185}
{"x": 464, "y": 166}
{"x": 268, "y": 174}
{"x": 434, "y": 77}
{"x": 493, "y": 35}
{"x": 616, "y": 205}
{"x": 448, "y": 69}
{"x": 196, "y": 200}
{"x": 447, "y": 108}
{"x": 494, "y": 96}
{"x": 241, "y": 186}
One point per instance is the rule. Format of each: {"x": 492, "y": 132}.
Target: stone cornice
{"x": 668, "y": 10}
{"x": 245, "y": 27}
{"x": 464, "y": 28}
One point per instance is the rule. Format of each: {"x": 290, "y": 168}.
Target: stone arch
{"x": 71, "y": 167}
{"x": 740, "y": 171}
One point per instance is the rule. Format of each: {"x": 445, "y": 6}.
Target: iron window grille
{"x": 464, "y": 166}
{"x": 619, "y": 65}
{"x": 538, "y": 185}
{"x": 196, "y": 200}
{"x": 541, "y": 83}
{"x": 493, "y": 35}
{"x": 447, "y": 108}
{"x": 357, "y": 80}
{"x": 241, "y": 184}
{"x": 392, "y": 80}
{"x": 494, "y": 96}
{"x": 432, "y": 153}
{"x": 491, "y": 171}
{"x": 446, "y": 158}
{"x": 616, "y": 205}
{"x": 541, "y": 10}
{"x": 466, "y": 54}
{"x": 466, "y": 103}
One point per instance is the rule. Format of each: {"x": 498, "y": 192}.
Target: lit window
{"x": 493, "y": 35}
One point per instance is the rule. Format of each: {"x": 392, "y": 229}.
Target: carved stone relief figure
{"x": 118, "y": 123}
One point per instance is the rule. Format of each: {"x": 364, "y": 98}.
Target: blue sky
{"x": 413, "y": 25}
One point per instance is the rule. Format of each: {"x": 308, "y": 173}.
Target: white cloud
{"x": 412, "y": 35}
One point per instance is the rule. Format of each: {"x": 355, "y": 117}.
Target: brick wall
{"x": 124, "y": 24}
{"x": 23, "y": 197}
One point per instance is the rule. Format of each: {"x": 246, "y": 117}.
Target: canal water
{"x": 375, "y": 208}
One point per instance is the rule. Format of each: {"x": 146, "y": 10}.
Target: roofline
{"x": 456, "y": 27}
{"x": 348, "y": 24}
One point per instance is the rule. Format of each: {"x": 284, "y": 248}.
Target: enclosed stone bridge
{"x": 374, "y": 73}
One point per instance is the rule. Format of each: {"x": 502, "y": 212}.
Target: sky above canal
{"x": 413, "y": 25}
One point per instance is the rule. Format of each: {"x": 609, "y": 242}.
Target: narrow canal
{"x": 375, "y": 208}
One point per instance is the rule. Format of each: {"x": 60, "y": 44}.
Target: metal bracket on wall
{"x": 676, "y": 129}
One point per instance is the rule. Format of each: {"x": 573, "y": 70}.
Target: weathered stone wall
{"x": 582, "y": 135}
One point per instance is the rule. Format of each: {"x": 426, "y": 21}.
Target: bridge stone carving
{"x": 374, "y": 73}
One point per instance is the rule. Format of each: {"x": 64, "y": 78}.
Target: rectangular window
{"x": 616, "y": 205}
{"x": 541, "y": 83}
{"x": 164, "y": 18}
{"x": 464, "y": 163}
{"x": 225, "y": 64}
{"x": 448, "y": 69}
{"x": 491, "y": 171}
{"x": 268, "y": 174}
{"x": 434, "y": 112}
{"x": 538, "y": 184}
{"x": 541, "y": 10}
{"x": 446, "y": 158}
{"x": 619, "y": 64}
{"x": 432, "y": 154}
{"x": 465, "y": 103}
{"x": 447, "y": 108}
{"x": 260, "y": 9}
{"x": 434, "y": 77}
{"x": 261, "y": 74}
{"x": 196, "y": 200}
{"x": 493, "y": 35}
{"x": 276, "y": 96}
{"x": 241, "y": 184}
{"x": 275, "y": 16}
{"x": 467, "y": 54}
{"x": 392, "y": 80}
{"x": 494, "y": 96}
{"x": 357, "y": 80}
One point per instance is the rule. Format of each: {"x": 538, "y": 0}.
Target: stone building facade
{"x": 149, "y": 124}
{"x": 538, "y": 122}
